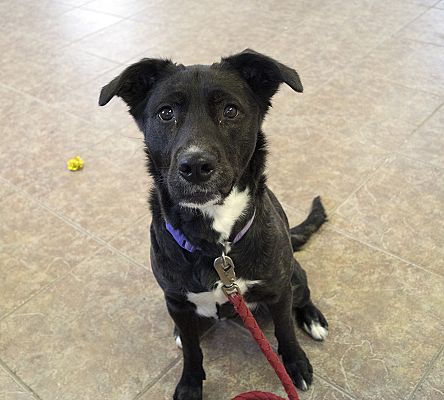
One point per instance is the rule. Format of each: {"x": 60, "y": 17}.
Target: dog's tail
{"x": 301, "y": 233}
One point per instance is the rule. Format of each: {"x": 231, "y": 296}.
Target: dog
{"x": 206, "y": 154}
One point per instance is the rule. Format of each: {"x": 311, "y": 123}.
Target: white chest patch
{"x": 224, "y": 215}
{"x": 205, "y": 302}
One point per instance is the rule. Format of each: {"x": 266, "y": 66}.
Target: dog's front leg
{"x": 187, "y": 323}
{"x": 296, "y": 362}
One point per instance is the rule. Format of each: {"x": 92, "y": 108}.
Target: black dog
{"x": 206, "y": 153}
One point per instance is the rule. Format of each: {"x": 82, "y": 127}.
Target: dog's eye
{"x": 166, "y": 114}
{"x": 230, "y": 111}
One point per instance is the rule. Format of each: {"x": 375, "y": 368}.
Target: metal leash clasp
{"x": 224, "y": 267}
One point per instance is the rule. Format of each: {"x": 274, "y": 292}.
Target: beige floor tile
{"x": 433, "y": 386}
{"x": 5, "y": 190}
{"x": 94, "y": 334}
{"x": 427, "y": 3}
{"x": 67, "y": 27}
{"x": 35, "y": 248}
{"x": 83, "y": 102}
{"x": 75, "y": 3}
{"x": 292, "y": 112}
{"x": 135, "y": 241}
{"x": 24, "y": 48}
{"x": 78, "y": 23}
{"x": 240, "y": 369}
{"x": 414, "y": 64}
{"x": 38, "y": 140}
{"x": 120, "y": 8}
{"x": 9, "y": 101}
{"x": 426, "y": 145}
{"x": 436, "y": 121}
{"x": 339, "y": 34}
{"x": 399, "y": 210}
{"x": 385, "y": 317}
{"x": 427, "y": 28}
{"x": 366, "y": 101}
{"x": 311, "y": 161}
{"x": 51, "y": 75}
{"x": 15, "y": 12}
{"x": 121, "y": 41}
{"x": 11, "y": 390}
{"x": 110, "y": 192}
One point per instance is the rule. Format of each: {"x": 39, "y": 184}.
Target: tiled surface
{"x": 399, "y": 209}
{"x": 428, "y": 28}
{"x": 433, "y": 386}
{"x": 222, "y": 383}
{"x": 385, "y": 315}
{"x": 82, "y": 329}
{"x": 81, "y": 316}
{"x": 36, "y": 248}
{"x": 11, "y": 390}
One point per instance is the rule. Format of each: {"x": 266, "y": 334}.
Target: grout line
{"x": 76, "y": 226}
{"x": 388, "y": 159}
{"x": 426, "y": 119}
{"x": 426, "y": 9}
{"x": 76, "y": 6}
{"x": 18, "y": 380}
{"x": 98, "y": 30}
{"x": 85, "y": 7}
{"x": 395, "y": 83}
{"x": 385, "y": 160}
{"x": 419, "y": 160}
{"x": 49, "y": 285}
{"x": 335, "y": 386}
{"x": 44, "y": 103}
{"x": 34, "y": 294}
{"x": 117, "y": 63}
{"x": 162, "y": 373}
{"x": 170, "y": 366}
{"x": 426, "y": 373}
{"x": 440, "y": 46}
{"x": 347, "y": 235}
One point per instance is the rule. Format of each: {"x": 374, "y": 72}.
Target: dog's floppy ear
{"x": 263, "y": 74}
{"x": 134, "y": 83}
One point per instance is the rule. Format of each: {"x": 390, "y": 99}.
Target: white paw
{"x": 316, "y": 330}
{"x": 304, "y": 385}
{"x": 178, "y": 342}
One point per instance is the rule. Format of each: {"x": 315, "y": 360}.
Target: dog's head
{"x": 201, "y": 123}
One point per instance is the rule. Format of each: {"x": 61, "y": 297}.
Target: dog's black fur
{"x": 234, "y": 148}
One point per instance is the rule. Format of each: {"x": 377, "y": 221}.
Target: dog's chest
{"x": 206, "y": 302}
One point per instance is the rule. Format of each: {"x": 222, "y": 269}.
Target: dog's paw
{"x": 188, "y": 391}
{"x": 301, "y": 372}
{"x": 316, "y": 330}
{"x": 311, "y": 320}
{"x": 178, "y": 341}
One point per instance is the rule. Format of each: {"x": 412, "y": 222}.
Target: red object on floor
{"x": 250, "y": 323}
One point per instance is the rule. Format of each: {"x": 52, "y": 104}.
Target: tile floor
{"x": 81, "y": 316}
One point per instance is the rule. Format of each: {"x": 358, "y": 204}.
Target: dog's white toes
{"x": 178, "y": 342}
{"x": 304, "y": 385}
{"x": 316, "y": 330}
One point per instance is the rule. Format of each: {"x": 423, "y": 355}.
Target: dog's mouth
{"x": 199, "y": 197}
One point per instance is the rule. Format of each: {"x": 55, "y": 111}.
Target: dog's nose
{"x": 197, "y": 167}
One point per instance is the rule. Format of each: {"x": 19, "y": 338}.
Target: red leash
{"x": 250, "y": 323}
{"x": 225, "y": 268}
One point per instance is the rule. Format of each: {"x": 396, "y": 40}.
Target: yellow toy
{"x": 75, "y": 163}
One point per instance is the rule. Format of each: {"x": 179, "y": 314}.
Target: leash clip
{"x": 224, "y": 267}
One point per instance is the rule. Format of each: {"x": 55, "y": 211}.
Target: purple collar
{"x": 183, "y": 242}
